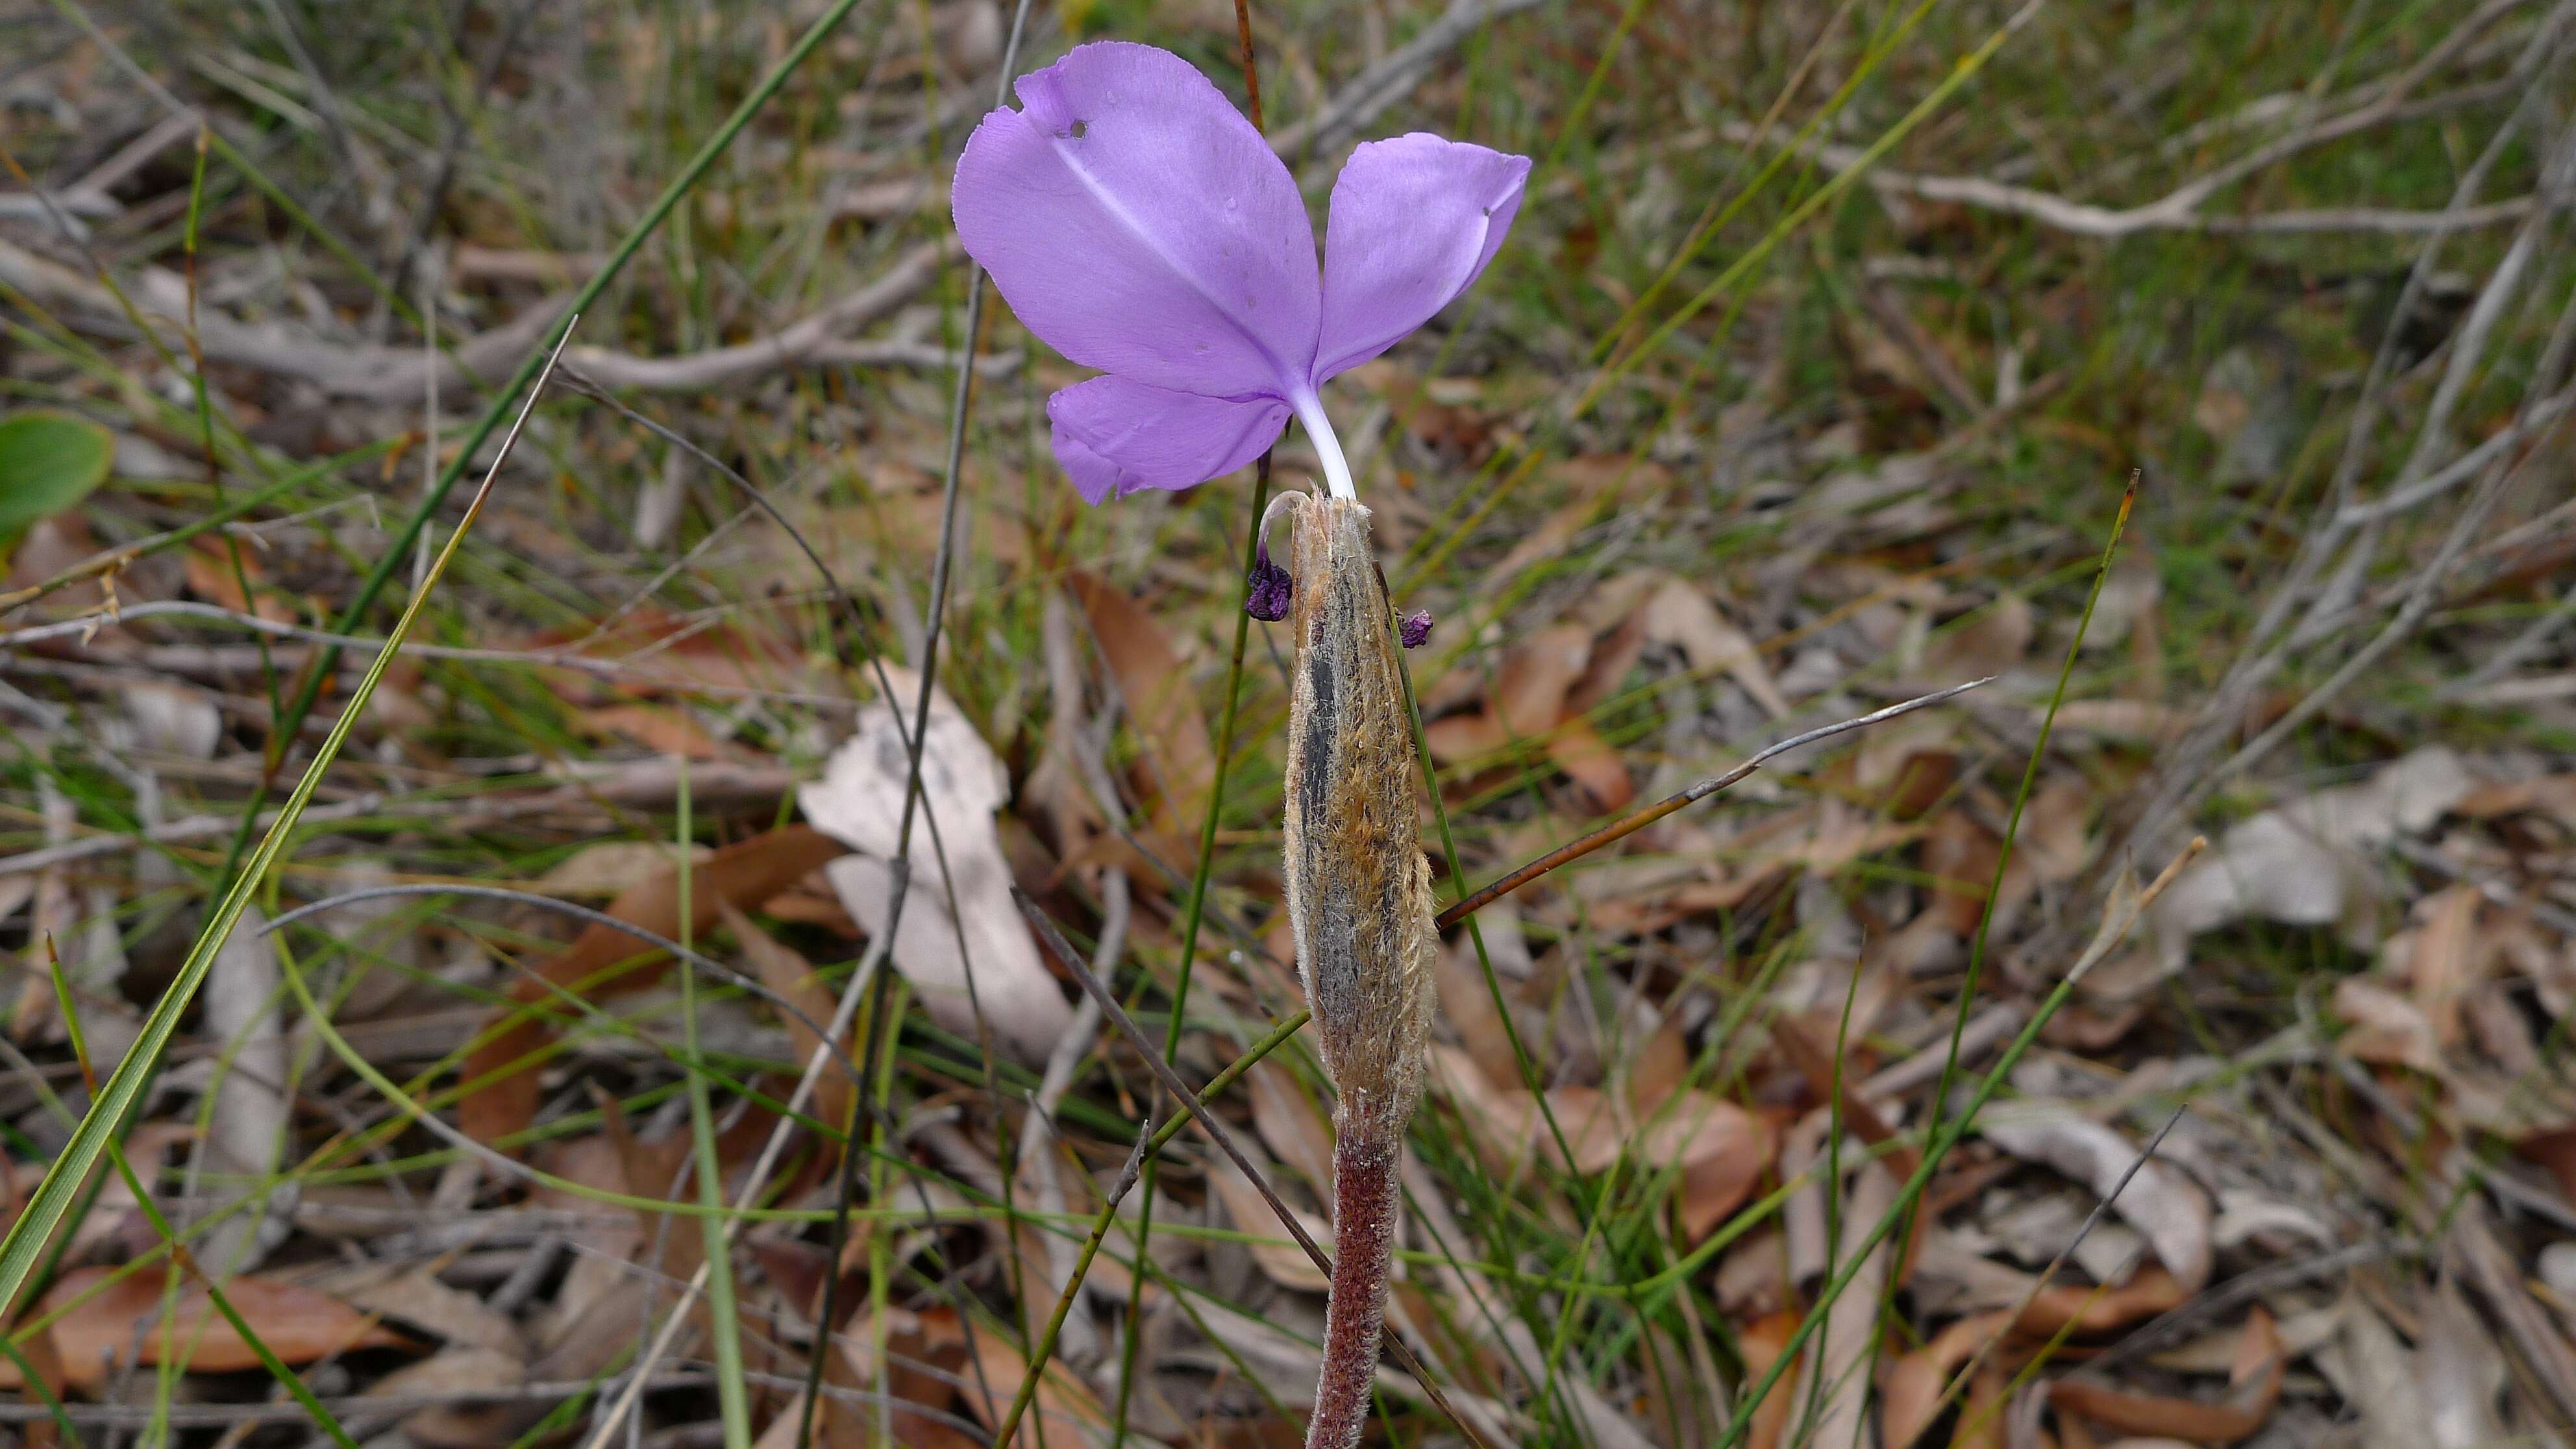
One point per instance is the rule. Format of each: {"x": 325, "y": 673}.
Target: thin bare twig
{"x": 1576, "y": 850}
{"x": 372, "y": 373}
{"x": 611, "y": 669}
{"x": 2182, "y": 209}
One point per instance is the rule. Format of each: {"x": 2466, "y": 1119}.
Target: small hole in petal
{"x": 1080, "y": 127}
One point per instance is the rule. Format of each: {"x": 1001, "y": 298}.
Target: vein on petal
{"x": 1117, "y": 209}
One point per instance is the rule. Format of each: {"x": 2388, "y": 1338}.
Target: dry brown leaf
{"x": 2463, "y": 1372}
{"x": 1681, "y": 615}
{"x": 1762, "y": 1342}
{"x": 1280, "y": 1258}
{"x": 2556, "y": 1153}
{"x": 2379, "y": 1380}
{"x": 2129, "y": 596}
{"x": 2063, "y": 1306}
{"x": 2446, "y": 960}
{"x": 172, "y": 718}
{"x": 1721, "y": 1149}
{"x": 745, "y": 874}
{"x": 1658, "y": 1066}
{"x": 1989, "y": 641}
{"x": 1616, "y": 648}
{"x": 1509, "y": 1119}
{"x": 677, "y": 654}
{"x": 1467, "y": 1003}
{"x": 1960, "y": 854}
{"x": 1548, "y": 539}
{"x": 1981, "y": 1418}
{"x": 1456, "y": 737}
{"x": 1839, "y": 1361}
{"x": 41, "y": 1357}
{"x": 212, "y": 577}
{"x": 1591, "y": 762}
{"x": 928, "y": 1366}
{"x": 663, "y": 731}
{"x": 246, "y": 1137}
{"x": 1910, "y": 1397}
{"x": 1530, "y": 688}
{"x": 1288, "y": 1122}
{"x": 1068, "y": 1409}
{"x": 2052, "y": 839}
{"x": 104, "y": 1332}
{"x": 459, "y": 1370}
{"x": 1162, "y": 706}
{"x": 571, "y": 1332}
{"x": 2160, "y": 1201}
{"x": 413, "y": 1296}
{"x": 1529, "y": 705}
{"x": 1914, "y": 1384}
{"x": 2550, "y": 795}
{"x": 2130, "y": 721}
{"x": 790, "y": 975}
{"x": 612, "y": 866}
{"x": 2255, "y": 1387}
{"x": 2388, "y": 1028}
{"x": 52, "y": 547}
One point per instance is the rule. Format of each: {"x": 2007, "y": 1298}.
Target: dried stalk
{"x": 1359, "y": 903}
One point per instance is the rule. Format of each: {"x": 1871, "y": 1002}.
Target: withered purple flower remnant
{"x": 1138, "y": 224}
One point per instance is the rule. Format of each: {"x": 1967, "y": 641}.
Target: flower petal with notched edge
{"x": 1138, "y": 224}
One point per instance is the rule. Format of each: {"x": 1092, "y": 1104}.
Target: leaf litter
{"x": 1703, "y": 1056}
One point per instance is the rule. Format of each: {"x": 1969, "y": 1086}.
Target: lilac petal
{"x": 1117, "y": 437}
{"x": 1414, "y": 220}
{"x": 1414, "y": 629}
{"x": 1138, "y": 224}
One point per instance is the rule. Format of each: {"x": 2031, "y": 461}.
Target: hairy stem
{"x": 1367, "y": 1203}
{"x": 1359, "y": 902}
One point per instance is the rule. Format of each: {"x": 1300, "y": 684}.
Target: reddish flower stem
{"x": 1367, "y": 1206}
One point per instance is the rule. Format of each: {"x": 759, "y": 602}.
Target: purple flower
{"x": 1138, "y": 224}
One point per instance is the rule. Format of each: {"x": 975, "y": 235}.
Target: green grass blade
{"x": 730, "y": 1398}
{"x": 287, "y": 1378}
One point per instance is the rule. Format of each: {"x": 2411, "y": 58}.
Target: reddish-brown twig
{"x": 1576, "y": 850}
